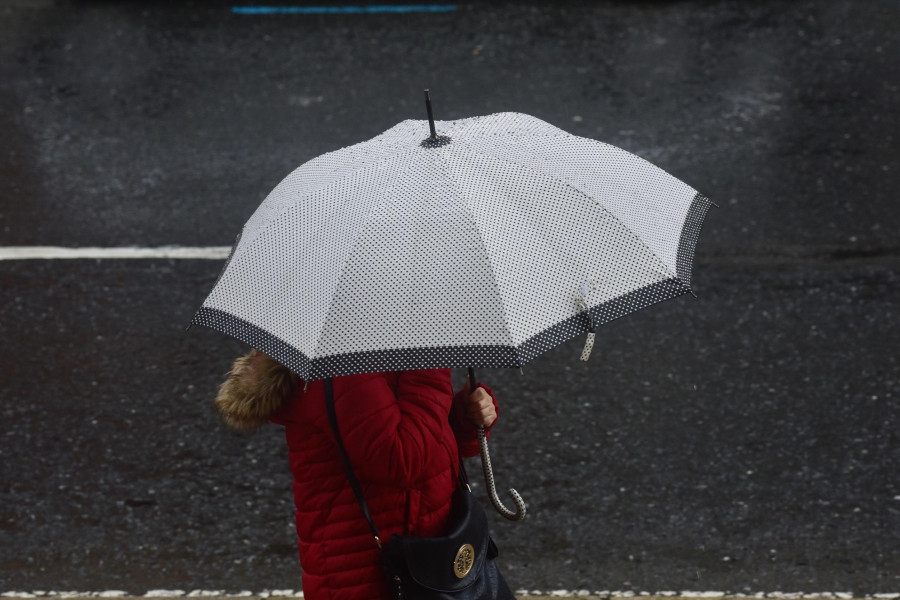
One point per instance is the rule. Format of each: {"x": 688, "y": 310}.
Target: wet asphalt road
{"x": 746, "y": 441}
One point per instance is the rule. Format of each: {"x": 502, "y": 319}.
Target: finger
{"x": 487, "y": 419}
{"x": 475, "y": 410}
{"x": 482, "y": 414}
{"x": 480, "y": 396}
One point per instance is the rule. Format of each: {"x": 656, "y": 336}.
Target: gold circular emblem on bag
{"x": 464, "y": 560}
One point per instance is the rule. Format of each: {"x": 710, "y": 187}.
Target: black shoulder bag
{"x": 458, "y": 566}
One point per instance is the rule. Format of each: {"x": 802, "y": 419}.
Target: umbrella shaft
{"x": 430, "y": 115}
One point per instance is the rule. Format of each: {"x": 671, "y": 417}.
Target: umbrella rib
{"x": 306, "y": 194}
{"x": 237, "y": 256}
{"x": 456, "y": 186}
{"x": 340, "y": 278}
{"x": 553, "y": 131}
{"x": 557, "y": 178}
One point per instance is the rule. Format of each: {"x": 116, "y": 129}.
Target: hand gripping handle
{"x": 519, "y": 513}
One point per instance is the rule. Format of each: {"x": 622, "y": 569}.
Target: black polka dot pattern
{"x": 689, "y": 234}
{"x": 483, "y": 247}
{"x": 237, "y": 241}
{"x": 257, "y": 338}
{"x": 618, "y": 307}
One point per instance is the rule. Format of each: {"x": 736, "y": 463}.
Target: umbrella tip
{"x": 430, "y": 113}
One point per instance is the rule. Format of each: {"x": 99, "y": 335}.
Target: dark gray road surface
{"x": 745, "y": 441}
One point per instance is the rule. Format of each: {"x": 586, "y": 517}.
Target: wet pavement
{"x": 745, "y": 441}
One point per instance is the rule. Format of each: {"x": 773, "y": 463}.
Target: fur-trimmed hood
{"x": 255, "y": 389}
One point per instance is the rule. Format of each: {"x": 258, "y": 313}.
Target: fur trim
{"x": 255, "y": 389}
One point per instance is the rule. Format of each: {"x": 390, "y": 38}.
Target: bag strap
{"x": 354, "y": 482}
{"x": 463, "y": 477}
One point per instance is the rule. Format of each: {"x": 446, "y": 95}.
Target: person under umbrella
{"x": 403, "y": 431}
{"x": 483, "y": 246}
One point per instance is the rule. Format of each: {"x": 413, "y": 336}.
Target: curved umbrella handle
{"x": 519, "y": 513}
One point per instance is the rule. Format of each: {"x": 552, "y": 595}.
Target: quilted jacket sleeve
{"x": 391, "y": 429}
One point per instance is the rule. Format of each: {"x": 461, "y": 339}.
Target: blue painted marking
{"x": 342, "y": 10}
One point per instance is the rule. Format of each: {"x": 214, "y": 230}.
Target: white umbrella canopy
{"x": 482, "y": 247}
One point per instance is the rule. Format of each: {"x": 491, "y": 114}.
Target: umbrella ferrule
{"x": 430, "y": 114}
{"x": 434, "y": 140}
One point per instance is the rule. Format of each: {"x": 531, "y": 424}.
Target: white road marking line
{"x": 608, "y": 595}
{"x": 119, "y": 253}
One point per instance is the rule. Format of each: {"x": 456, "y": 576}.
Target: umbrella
{"x": 479, "y": 242}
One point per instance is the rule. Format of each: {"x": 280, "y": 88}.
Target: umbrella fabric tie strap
{"x": 588, "y": 346}
{"x": 582, "y": 304}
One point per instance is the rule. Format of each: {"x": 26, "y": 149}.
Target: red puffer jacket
{"x": 401, "y": 431}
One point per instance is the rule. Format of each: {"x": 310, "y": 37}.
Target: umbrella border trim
{"x": 632, "y": 301}
{"x": 400, "y": 359}
{"x": 255, "y": 336}
{"x": 440, "y": 357}
{"x": 602, "y": 313}
{"x": 485, "y": 356}
{"x": 690, "y": 233}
